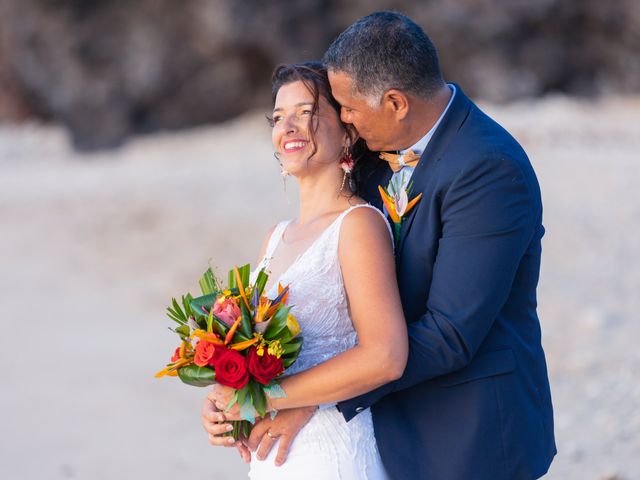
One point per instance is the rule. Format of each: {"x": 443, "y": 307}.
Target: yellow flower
{"x": 275, "y": 348}
{"x": 262, "y": 310}
{"x": 293, "y": 325}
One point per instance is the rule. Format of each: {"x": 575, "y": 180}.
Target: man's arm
{"x": 488, "y": 217}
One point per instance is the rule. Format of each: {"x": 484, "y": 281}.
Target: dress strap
{"x": 274, "y": 240}
{"x": 367, "y": 205}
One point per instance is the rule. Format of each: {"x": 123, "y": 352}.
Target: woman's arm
{"x": 368, "y": 270}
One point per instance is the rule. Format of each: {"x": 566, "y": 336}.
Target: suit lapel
{"x": 437, "y": 146}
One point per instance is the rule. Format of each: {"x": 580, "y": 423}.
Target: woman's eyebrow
{"x": 300, "y": 104}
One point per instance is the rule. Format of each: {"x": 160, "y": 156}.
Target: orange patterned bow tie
{"x": 397, "y": 161}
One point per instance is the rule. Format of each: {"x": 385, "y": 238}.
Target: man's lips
{"x": 291, "y": 146}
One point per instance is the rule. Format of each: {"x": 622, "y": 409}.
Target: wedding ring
{"x": 272, "y": 436}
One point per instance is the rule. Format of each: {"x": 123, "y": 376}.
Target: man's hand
{"x": 285, "y": 427}
{"x": 214, "y": 423}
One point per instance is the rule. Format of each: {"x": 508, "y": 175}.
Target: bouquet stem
{"x": 240, "y": 427}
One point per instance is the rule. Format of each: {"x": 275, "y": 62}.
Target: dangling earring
{"x": 346, "y": 164}
{"x": 283, "y": 173}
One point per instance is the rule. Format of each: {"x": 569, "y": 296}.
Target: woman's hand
{"x": 215, "y": 424}
{"x": 283, "y": 429}
{"x": 220, "y": 396}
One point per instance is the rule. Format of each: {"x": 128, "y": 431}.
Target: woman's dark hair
{"x": 314, "y": 76}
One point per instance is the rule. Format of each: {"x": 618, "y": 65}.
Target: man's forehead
{"x": 341, "y": 83}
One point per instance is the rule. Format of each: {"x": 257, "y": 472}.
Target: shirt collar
{"x": 421, "y": 144}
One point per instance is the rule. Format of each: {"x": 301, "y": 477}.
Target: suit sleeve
{"x": 488, "y": 219}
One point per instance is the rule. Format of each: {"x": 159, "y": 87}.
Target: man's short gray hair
{"x": 386, "y": 50}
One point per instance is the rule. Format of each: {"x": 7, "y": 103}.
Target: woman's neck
{"x": 319, "y": 196}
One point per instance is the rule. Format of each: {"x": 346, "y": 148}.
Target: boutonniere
{"x": 396, "y": 200}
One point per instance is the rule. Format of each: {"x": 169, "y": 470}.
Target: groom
{"x": 474, "y": 401}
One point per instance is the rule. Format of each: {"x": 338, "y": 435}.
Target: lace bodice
{"x": 317, "y": 294}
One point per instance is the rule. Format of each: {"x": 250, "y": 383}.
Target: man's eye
{"x": 277, "y": 118}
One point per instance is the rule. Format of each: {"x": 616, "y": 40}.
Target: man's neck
{"x": 424, "y": 115}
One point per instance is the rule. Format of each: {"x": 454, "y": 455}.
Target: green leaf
{"x": 245, "y": 273}
{"x": 197, "y": 305}
{"x": 261, "y": 282}
{"x": 176, "y": 313}
{"x": 277, "y": 323}
{"x": 186, "y": 304}
{"x": 242, "y": 394}
{"x": 245, "y": 328}
{"x": 184, "y": 331}
{"x": 287, "y": 362}
{"x": 248, "y": 411}
{"x": 233, "y": 401}
{"x": 259, "y": 399}
{"x": 208, "y": 283}
{"x": 274, "y": 390}
{"x": 293, "y": 346}
{"x": 197, "y": 376}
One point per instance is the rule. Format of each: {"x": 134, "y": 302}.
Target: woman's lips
{"x": 291, "y": 146}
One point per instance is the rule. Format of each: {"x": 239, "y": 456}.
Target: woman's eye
{"x": 277, "y": 118}
{"x": 306, "y": 112}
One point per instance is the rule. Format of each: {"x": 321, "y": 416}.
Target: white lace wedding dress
{"x": 327, "y": 447}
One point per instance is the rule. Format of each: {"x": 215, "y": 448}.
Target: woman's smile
{"x": 294, "y": 145}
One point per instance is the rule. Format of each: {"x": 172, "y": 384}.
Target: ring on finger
{"x": 271, "y": 435}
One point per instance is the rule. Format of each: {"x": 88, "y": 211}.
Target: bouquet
{"x": 237, "y": 337}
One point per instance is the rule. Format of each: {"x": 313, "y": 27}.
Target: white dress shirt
{"x": 404, "y": 174}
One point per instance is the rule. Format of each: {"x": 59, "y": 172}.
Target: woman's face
{"x": 292, "y": 121}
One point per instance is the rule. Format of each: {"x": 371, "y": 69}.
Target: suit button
{"x": 359, "y": 409}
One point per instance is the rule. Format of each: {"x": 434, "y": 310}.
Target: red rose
{"x": 231, "y": 369}
{"x": 220, "y": 349}
{"x": 265, "y": 367}
{"x": 204, "y": 353}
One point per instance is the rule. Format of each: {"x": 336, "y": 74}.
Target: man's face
{"x": 378, "y": 126}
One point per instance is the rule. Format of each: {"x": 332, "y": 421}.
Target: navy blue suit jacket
{"x": 474, "y": 401}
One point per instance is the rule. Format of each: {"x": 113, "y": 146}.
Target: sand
{"x": 93, "y": 246}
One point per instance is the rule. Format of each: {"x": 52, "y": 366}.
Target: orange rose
{"x": 204, "y": 353}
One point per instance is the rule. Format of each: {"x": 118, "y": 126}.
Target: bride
{"x": 337, "y": 258}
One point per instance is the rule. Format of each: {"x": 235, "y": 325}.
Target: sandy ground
{"x": 92, "y": 247}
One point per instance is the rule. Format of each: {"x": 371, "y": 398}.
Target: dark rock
{"x": 110, "y": 68}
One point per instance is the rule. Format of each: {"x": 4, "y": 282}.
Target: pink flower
{"x": 227, "y": 310}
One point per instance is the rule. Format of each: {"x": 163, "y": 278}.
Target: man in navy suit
{"x": 474, "y": 401}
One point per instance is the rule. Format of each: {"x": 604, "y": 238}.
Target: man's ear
{"x": 397, "y": 102}
{"x": 352, "y": 135}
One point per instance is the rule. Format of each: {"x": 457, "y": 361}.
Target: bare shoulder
{"x": 364, "y": 226}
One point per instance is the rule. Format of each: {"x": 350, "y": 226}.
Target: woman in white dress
{"x": 337, "y": 257}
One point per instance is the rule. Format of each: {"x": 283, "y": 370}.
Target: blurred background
{"x": 134, "y": 152}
